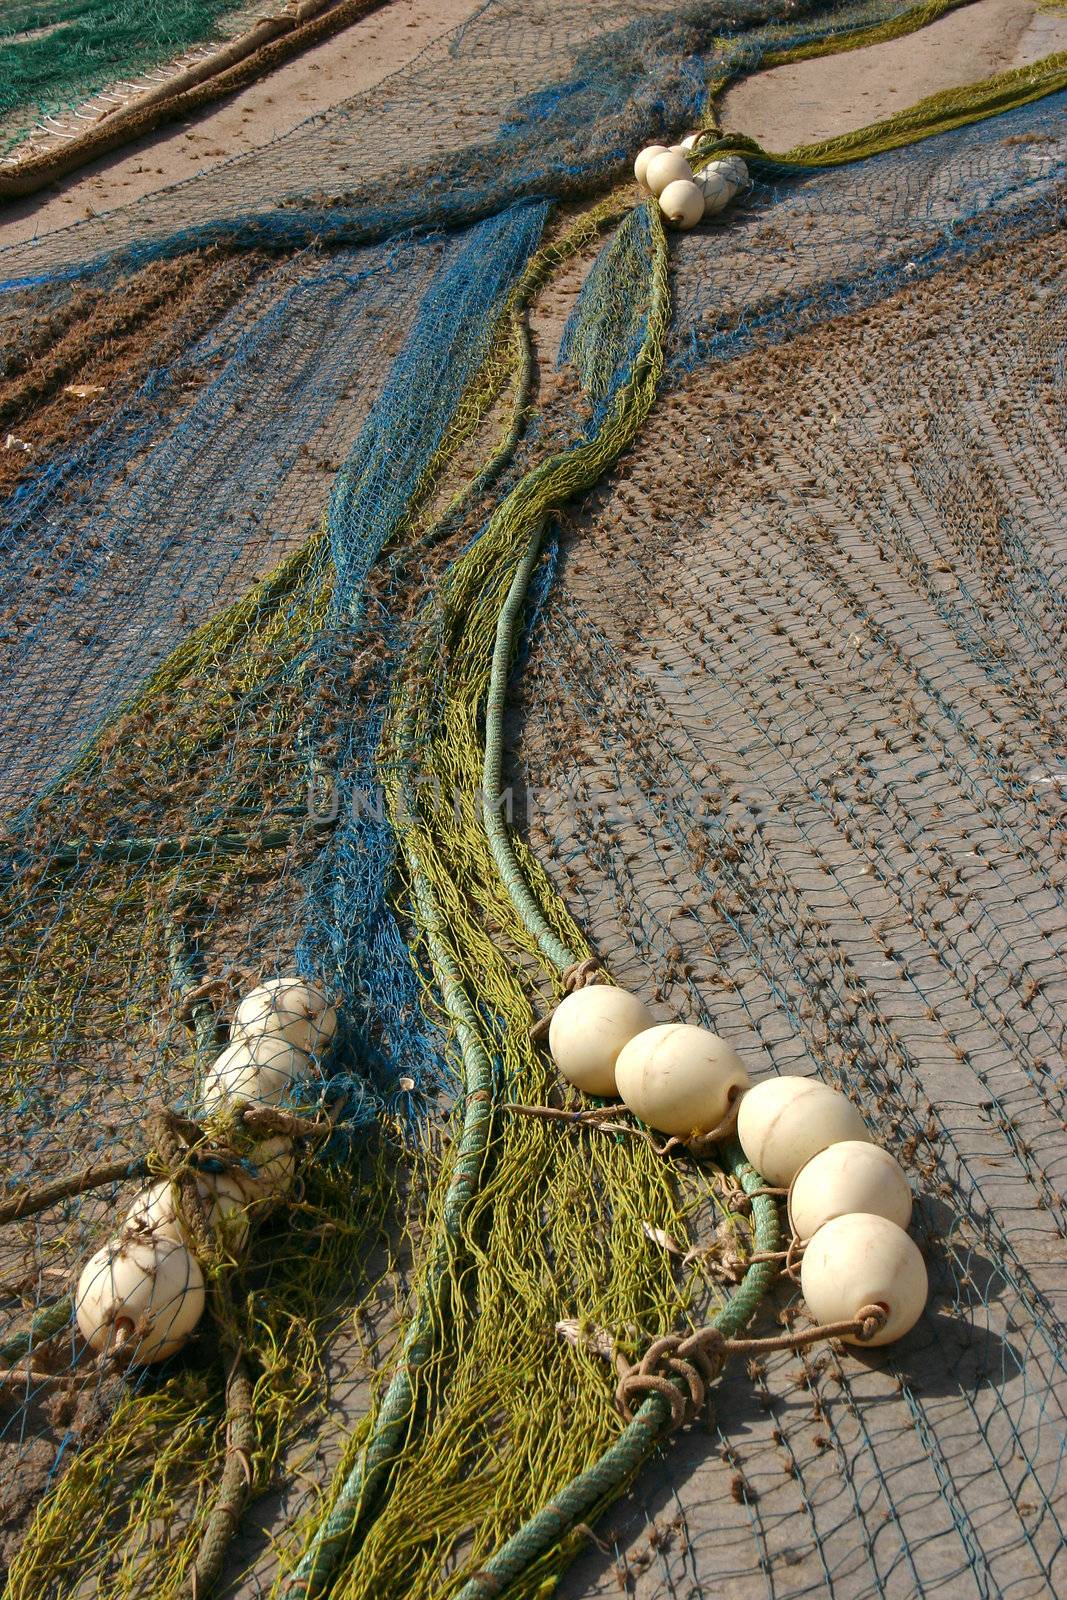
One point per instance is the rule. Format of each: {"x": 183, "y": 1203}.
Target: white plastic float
{"x": 783, "y": 1122}
{"x": 849, "y": 1176}
{"x": 680, "y": 1079}
{"x": 145, "y": 1291}
{"x": 861, "y": 1260}
{"x": 686, "y": 196}
{"x": 157, "y": 1211}
{"x": 145, "y": 1288}
{"x": 587, "y": 1031}
{"x": 288, "y": 1008}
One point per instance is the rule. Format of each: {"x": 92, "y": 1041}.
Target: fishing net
{"x": 420, "y": 574}
{"x": 56, "y": 55}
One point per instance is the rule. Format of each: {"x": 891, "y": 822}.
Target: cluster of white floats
{"x": 849, "y": 1201}
{"x": 145, "y": 1288}
{"x": 686, "y": 196}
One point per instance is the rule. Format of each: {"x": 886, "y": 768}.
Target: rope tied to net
{"x": 179, "y": 1145}
{"x": 681, "y": 1367}
{"x": 579, "y": 975}
{"x": 697, "y": 1145}
{"x": 169, "y": 1151}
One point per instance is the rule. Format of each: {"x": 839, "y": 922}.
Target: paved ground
{"x": 831, "y": 94}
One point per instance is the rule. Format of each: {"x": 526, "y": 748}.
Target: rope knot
{"x": 680, "y": 1367}
{"x": 170, "y": 1138}
{"x": 871, "y": 1319}
{"x": 581, "y": 974}
{"x": 577, "y": 976}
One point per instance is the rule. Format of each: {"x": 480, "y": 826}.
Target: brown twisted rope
{"x": 235, "y": 1484}
{"x": 589, "y": 1117}
{"x": 196, "y": 1150}
{"x": 168, "y": 1149}
{"x": 595, "y": 1118}
{"x": 702, "y": 1143}
{"x": 18, "y": 1377}
{"x": 198, "y": 992}
{"x": 27, "y": 1202}
{"x": 236, "y": 1479}
{"x": 740, "y": 1201}
{"x": 273, "y": 1119}
{"x": 680, "y": 1367}
{"x": 790, "y": 1257}
{"x": 580, "y": 975}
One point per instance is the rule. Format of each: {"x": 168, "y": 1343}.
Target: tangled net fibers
{"x": 55, "y": 54}
{"x": 729, "y": 562}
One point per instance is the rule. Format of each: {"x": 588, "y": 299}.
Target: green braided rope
{"x": 587, "y": 1495}
{"x": 508, "y": 625}
{"x": 205, "y": 1024}
{"x": 364, "y": 1483}
{"x": 602, "y": 1482}
{"x": 936, "y": 114}
{"x": 47, "y": 1322}
{"x": 545, "y": 488}
{"x": 353, "y": 1508}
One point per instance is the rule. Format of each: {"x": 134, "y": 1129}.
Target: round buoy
{"x": 647, "y": 154}
{"x": 290, "y": 1008}
{"x": 680, "y": 1079}
{"x": 668, "y": 167}
{"x": 682, "y": 204}
{"x": 720, "y": 181}
{"x": 732, "y": 168}
{"x": 149, "y": 1292}
{"x": 587, "y": 1031}
{"x": 274, "y": 1161}
{"x": 716, "y": 192}
{"x": 849, "y": 1176}
{"x": 156, "y": 1211}
{"x": 783, "y": 1122}
{"x": 262, "y": 1070}
{"x": 861, "y": 1260}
